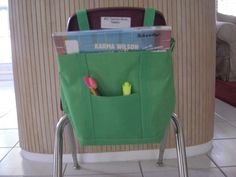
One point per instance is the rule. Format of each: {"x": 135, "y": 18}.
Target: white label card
{"x": 72, "y": 46}
{"x": 115, "y": 22}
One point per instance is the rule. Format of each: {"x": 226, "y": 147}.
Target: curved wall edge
{"x": 36, "y": 75}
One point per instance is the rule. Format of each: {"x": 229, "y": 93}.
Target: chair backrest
{"x": 94, "y": 17}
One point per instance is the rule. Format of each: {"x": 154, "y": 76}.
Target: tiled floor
{"x": 219, "y": 162}
{"x": 8, "y": 121}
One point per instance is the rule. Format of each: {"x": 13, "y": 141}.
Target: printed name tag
{"x": 115, "y": 22}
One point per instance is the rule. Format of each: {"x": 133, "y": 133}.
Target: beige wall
{"x": 35, "y": 68}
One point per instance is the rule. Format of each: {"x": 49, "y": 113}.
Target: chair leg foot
{"x": 180, "y": 147}
{"x": 160, "y": 164}
{"x": 58, "y": 147}
{"x": 162, "y": 149}
{"x": 72, "y": 145}
{"x": 76, "y": 167}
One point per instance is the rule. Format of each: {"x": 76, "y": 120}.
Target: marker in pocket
{"x": 91, "y": 84}
{"x": 126, "y": 88}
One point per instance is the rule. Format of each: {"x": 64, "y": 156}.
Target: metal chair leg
{"x": 180, "y": 147}
{"x": 58, "y": 146}
{"x": 72, "y": 145}
{"x": 162, "y": 149}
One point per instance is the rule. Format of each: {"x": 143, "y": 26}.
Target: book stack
{"x": 131, "y": 39}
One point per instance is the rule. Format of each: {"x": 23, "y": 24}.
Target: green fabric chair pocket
{"x": 112, "y": 118}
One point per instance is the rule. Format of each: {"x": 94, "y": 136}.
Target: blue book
{"x": 129, "y": 39}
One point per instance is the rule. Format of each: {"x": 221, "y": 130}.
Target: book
{"x": 128, "y": 39}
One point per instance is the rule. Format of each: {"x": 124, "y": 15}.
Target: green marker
{"x": 126, "y": 87}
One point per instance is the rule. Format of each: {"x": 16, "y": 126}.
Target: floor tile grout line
{"x": 8, "y": 128}
{"x": 229, "y": 124}
{"x": 64, "y": 170}
{"x": 223, "y": 138}
{"x": 140, "y": 167}
{"x": 219, "y": 116}
{"x": 15, "y": 144}
{"x": 7, "y": 146}
{"x": 5, "y": 155}
{"x": 216, "y": 165}
{"x": 225, "y": 120}
{"x": 228, "y": 166}
{"x": 11, "y": 146}
{"x": 9, "y": 151}
{"x": 3, "y": 115}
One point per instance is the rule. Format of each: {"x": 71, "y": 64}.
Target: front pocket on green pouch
{"x": 117, "y": 117}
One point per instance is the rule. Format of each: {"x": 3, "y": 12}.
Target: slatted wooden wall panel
{"x": 35, "y": 69}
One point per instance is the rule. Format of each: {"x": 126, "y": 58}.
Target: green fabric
{"x": 149, "y": 17}
{"x": 82, "y": 19}
{"x": 112, "y": 118}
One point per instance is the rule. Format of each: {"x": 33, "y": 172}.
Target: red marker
{"x": 91, "y": 84}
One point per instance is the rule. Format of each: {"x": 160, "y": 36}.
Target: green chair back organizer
{"x": 111, "y": 118}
